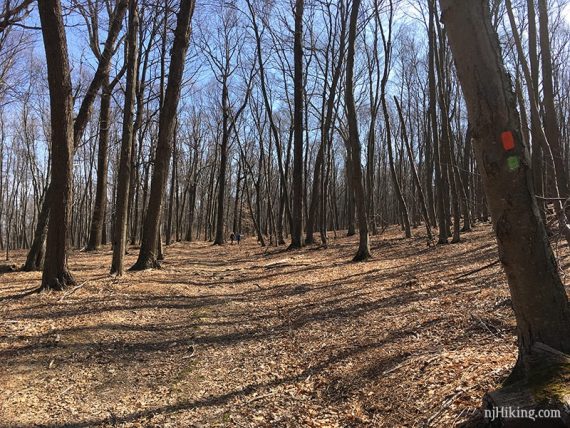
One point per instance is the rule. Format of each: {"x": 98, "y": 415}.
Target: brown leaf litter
{"x": 241, "y": 336}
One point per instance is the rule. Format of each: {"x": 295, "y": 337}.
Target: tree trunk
{"x": 363, "y": 252}
{"x": 147, "y": 255}
{"x": 441, "y": 217}
{"x": 124, "y": 175}
{"x": 56, "y": 275}
{"x": 297, "y": 209}
{"x": 219, "y": 239}
{"x": 542, "y": 313}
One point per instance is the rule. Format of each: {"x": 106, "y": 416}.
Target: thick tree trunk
{"x": 56, "y": 275}
{"x": 542, "y": 313}
{"x": 147, "y": 255}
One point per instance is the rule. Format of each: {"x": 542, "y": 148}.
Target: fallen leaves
{"x": 240, "y": 336}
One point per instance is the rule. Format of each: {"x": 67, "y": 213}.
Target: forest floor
{"x": 240, "y": 336}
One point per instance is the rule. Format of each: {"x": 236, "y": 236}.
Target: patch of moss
{"x": 550, "y": 381}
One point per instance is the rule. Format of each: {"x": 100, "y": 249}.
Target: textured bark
{"x": 538, "y": 296}
{"x": 147, "y": 255}
{"x": 56, "y": 275}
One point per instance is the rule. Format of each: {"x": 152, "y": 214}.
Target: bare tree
{"x": 543, "y": 316}
{"x": 122, "y": 200}
{"x": 297, "y": 211}
{"x": 56, "y": 275}
{"x": 363, "y": 251}
{"x": 147, "y": 255}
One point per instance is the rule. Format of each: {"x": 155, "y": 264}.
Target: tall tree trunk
{"x": 219, "y": 239}
{"x": 542, "y": 313}
{"x": 350, "y": 198}
{"x": 298, "y": 117}
{"x": 535, "y": 125}
{"x": 236, "y": 200}
{"x": 56, "y": 275}
{"x": 147, "y": 256}
{"x": 363, "y": 252}
{"x": 439, "y": 186}
{"x": 125, "y": 164}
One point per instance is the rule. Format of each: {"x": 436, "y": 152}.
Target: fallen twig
{"x": 73, "y": 290}
{"x": 478, "y": 270}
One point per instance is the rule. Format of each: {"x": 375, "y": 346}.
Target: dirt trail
{"x": 236, "y": 336}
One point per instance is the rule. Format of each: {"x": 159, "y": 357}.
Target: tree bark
{"x": 125, "y": 164}
{"x": 56, "y": 275}
{"x": 147, "y": 255}
{"x": 297, "y": 209}
{"x": 542, "y": 313}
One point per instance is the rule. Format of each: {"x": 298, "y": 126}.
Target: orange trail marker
{"x": 508, "y": 140}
